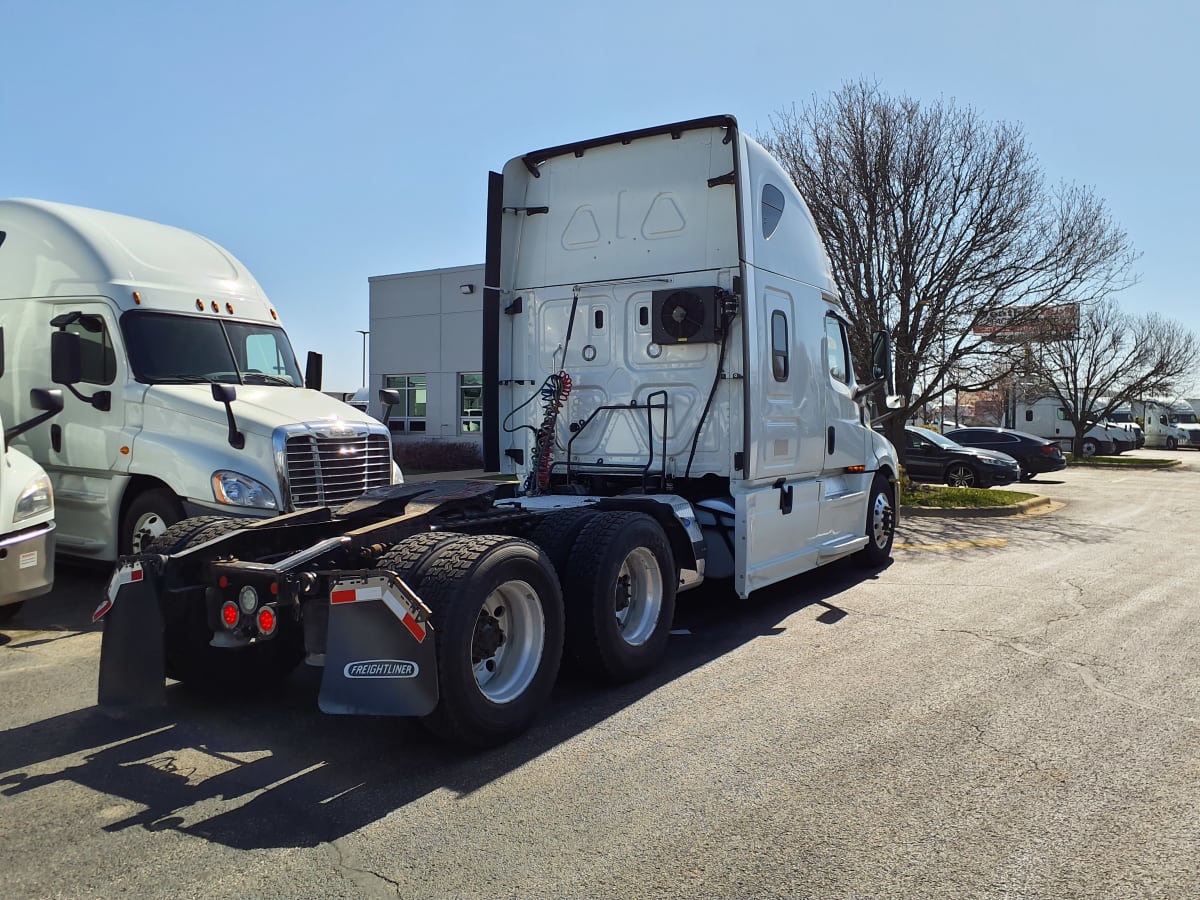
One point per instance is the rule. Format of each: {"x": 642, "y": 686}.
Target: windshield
{"x": 173, "y": 349}
{"x": 1184, "y": 418}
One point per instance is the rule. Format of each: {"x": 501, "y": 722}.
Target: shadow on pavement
{"x": 271, "y": 771}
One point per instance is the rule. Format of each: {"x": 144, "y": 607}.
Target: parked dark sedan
{"x": 1034, "y": 454}
{"x": 929, "y": 456}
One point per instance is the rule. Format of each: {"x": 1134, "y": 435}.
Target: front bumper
{"x": 27, "y": 564}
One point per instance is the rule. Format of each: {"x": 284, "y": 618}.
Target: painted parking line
{"x": 957, "y": 545}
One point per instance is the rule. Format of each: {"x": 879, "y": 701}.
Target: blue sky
{"x": 324, "y": 143}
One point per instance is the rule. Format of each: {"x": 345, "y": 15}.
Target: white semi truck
{"x": 26, "y": 495}
{"x": 190, "y": 401}
{"x": 670, "y": 383}
{"x": 1047, "y": 418}
{"x": 1160, "y": 421}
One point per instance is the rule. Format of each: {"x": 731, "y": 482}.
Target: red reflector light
{"x": 230, "y": 614}
{"x": 223, "y": 582}
{"x": 274, "y": 588}
{"x": 266, "y": 620}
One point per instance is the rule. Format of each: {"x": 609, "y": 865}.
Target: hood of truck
{"x": 258, "y": 409}
{"x": 16, "y": 472}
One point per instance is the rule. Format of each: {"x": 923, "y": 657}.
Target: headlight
{"x": 397, "y": 475}
{"x": 235, "y": 489}
{"x": 37, "y": 497}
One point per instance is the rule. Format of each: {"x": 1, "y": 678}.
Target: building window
{"x": 409, "y": 414}
{"x": 470, "y": 402}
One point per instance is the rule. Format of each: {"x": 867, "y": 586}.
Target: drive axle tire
{"x": 556, "y": 532}
{"x": 412, "y": 556}
{"x": 1089, "y": 447}
{"x": 498, "y": 631}
{"x": 881, "y": 525}
{"x": 620, "y": 596}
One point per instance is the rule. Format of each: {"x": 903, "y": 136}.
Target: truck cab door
{"x": 81, "y": 448}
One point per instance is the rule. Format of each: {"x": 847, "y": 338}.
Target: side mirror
{"x": 314, "y": 367}
{"x": 46, "y": 399}
{"x": 226, "y": 394}
{"x": 388, "y": 397}
{"x": 66, "y": 360}
{"x": 881, "y": 361}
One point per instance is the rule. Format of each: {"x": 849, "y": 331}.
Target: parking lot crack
{"x": 367, "y": 882}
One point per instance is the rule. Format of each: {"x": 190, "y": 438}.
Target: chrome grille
{"x": 331, "y": 470}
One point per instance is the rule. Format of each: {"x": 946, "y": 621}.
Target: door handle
{"x": 830, "y": 439}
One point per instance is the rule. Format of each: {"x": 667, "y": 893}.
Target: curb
{"x": 962, "y": 512}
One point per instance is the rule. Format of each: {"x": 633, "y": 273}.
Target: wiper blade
{"x": 184, "y": 379}
{"x": 267, "y": 378}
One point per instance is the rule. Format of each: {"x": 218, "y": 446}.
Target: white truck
{"x": 1047, "y": 418}
{"x": 1159, "y": 422}
{"x": 26, "y": 496}
{"x": 190, "y": 400}
{"x": 670, "y": 384}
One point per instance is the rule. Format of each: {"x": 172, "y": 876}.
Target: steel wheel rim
{"x": 638, "y": 596}
{"x": 146, "y": 529}
{"x": 883, "y": 521}
{"x": 512, "y": 615}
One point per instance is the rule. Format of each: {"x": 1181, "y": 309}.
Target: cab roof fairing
{"x": 56, "y": 249}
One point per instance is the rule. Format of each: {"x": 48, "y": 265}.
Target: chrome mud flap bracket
{"x": 132, "y": 668}
{"x": 379, "y": 655}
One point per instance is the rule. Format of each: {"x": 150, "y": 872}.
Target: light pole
{"x": 364, "y": 334}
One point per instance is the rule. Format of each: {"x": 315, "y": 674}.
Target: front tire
{"x": 881, "y": 525}
{"x": 149, "y": 516}
{"x": 620, "y": 596}
{"x": 961, "y": 475}
{"x": 1172, "y": 444}
{"x": 498, "y": 627}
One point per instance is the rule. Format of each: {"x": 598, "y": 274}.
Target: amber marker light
{"x": 856, "y": 470}
{"x": 216, "y": 306}
{"x": 229, "y": 308}
{"x": 137, "y": 298}
{"x": 124, "y": 451}
{"x": 199, "y": 304}
{"x": 273, "y": 316}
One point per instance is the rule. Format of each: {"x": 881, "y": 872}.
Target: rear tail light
{"x": 230, "y": 614}
{"x": 267, "y": 620}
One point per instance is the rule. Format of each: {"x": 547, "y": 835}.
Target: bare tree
{"x": 1115, "y": 357}
{"x": 938, "y": 225}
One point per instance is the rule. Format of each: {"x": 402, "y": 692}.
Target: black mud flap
{"x": 131, "y": 652}
{"x": 379, "y": 656}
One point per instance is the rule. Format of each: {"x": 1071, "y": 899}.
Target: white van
{"x": 191, "y": 401}
{"x": 26, "y": 508}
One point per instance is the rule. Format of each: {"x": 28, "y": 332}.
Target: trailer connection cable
{"x": 555, "y": 391}
{"x": 728, "y": 311}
